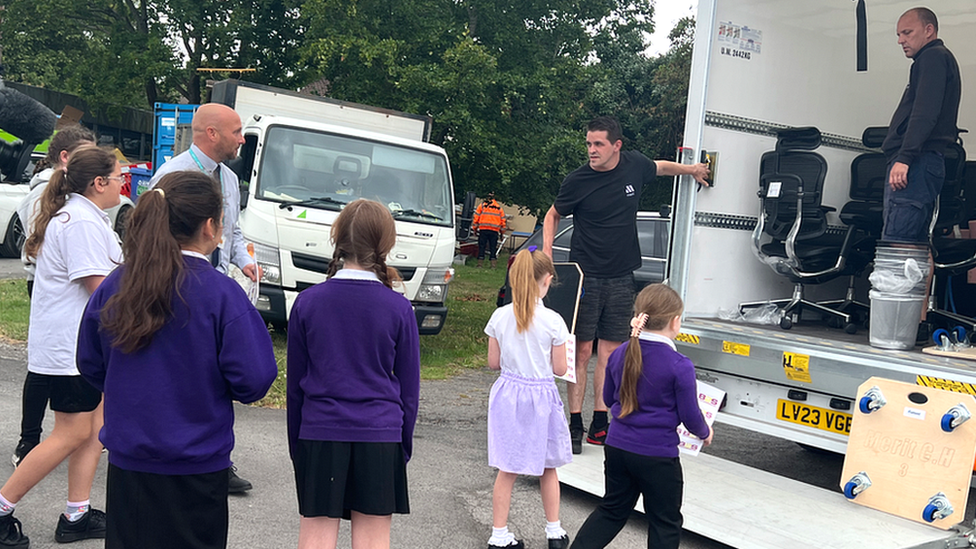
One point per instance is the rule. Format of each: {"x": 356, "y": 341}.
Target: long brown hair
{"x": 67, "y": 139}
{"x": 160, "y": 225}
{"x": 528, "y": 269}
{"x": 661, "y": 304}
{"x": 364, "y": 233}
{"x": 82, "y": 169}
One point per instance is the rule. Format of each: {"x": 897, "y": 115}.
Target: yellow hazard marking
{"x": 688, "y": 338}
{"x": 946, "y": 384}
{"x": 733, "y": 348}
{"x": 797, "y": 367}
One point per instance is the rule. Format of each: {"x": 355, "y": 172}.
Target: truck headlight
{"x": 434, "y": 286}
{"x": 270, "y": 263}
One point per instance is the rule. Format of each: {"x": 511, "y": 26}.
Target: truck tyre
{"x": 121, "y": 219}
{"x": 13, "y": 238}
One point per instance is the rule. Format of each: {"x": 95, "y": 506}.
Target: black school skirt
{"x": 336, "y": 478}
{"x": 150, "y": 511}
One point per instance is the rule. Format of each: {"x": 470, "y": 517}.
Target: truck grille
{"x": 321, "y": 265}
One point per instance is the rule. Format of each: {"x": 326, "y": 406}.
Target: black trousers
{"x": 37, "y": 391}
{"x": 627, "y": 476}
{"x": 487, "y": 240}
{"x": 149, "y": 511}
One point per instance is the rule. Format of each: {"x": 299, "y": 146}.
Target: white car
{"x": 12, "y": 232}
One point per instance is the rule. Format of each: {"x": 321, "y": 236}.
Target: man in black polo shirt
{"x": 603, "y": 197}
{"x": 923, "y": 125}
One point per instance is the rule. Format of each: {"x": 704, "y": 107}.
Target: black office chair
{"x": 793, "y": 224}
{"x": 951, "y": 256}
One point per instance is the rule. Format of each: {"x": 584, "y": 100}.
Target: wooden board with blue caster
{"x": 911, "y": 451}
{"x": 953, "y": 343}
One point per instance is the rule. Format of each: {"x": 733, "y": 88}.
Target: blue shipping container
{"x": 168, "y": 116}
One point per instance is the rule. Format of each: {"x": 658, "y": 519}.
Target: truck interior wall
{"x": 803, "y": 75}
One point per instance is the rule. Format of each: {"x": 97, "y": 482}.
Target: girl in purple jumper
{"x": 353, "y": 387}
{"x": 650, "y": 389}
{"x": 527, "y": 431}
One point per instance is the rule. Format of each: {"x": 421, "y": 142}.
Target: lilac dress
{"x": 527, "y": 430}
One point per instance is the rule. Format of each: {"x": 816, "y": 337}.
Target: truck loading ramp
{"x": 749, "y": 508}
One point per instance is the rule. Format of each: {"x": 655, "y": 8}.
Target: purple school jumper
{"x": 666, "y": 395}
{"x": 168, "y": 406}
{"x": 353, "y": 364}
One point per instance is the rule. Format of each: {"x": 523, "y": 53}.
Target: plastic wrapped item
{"x": 897, "y": 277}
{"x": 767, "y": 313}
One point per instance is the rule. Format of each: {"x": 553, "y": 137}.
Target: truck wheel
{"x": 121, "y": 219}
{"x": 13, "y": 239}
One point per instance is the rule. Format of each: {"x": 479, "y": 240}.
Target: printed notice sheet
{"x": 570, "y": 375}
{"x": 709, "y": 399}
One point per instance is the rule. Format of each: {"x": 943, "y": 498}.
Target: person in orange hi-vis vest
{"x": 489, "y": 221}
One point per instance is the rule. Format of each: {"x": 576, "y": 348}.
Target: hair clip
{"x": 532, "y": 248}
{"x": 637, "y": 324}
{"x": 160, "y": 191}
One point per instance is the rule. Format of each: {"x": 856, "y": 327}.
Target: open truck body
{"x": 758, "y": 66}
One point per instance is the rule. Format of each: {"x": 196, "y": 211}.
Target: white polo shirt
{"x": 528, "y": 354}
{"x": 79, "y": 242}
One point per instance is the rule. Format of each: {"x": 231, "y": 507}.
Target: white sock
{"x": 501, "y": 537}
{"x": 554, "y": 530}
{"x": 74, "y": 510}
{"x": 5, "y": 506}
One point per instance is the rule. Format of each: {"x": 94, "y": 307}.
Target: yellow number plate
{"x": 812, "y": 416}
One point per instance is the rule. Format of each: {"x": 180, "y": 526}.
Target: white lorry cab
{"x": 304, "y": 158}
{"x": 773, "y": 81}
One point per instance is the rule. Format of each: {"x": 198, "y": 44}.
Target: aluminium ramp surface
{"x": 748, "y": 508}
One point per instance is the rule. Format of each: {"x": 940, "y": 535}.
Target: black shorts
{"x": 150, "y": 511}
{"x": 336, "y": 478}
{"x": 605, "y": 309}
{"x": 72, "y": 394}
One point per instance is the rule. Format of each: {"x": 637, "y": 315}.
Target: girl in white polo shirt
{"x": 74, "y": 248}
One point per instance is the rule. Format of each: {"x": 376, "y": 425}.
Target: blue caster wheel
{"x": 959, "y": 332}
{"x": 947, "y": 422}
{"x": 849, "y": 490}
{"x": 937, "y": 336}
{"x": 928, "y": 514}
{"x": 865, "y": 405}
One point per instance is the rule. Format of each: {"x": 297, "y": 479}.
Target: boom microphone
{"x": 26, "y": 119}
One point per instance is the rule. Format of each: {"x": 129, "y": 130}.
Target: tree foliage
{"x": 510, "y": 84}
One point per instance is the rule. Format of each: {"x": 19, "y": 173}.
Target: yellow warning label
{"x": 797, "y": 367}
{"x": 688, "y": 338}
{"x": 733, "y": 348}
{"x": 945, "y": 384}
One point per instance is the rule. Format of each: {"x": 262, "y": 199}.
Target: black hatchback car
{"x": 653, "y": 232}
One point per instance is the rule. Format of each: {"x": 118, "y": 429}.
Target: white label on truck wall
{"x": 739, "y": 41}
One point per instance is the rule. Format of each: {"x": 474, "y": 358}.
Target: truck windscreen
{"x": 326, "y": 171}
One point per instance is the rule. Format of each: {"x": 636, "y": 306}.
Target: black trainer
{"x": 235, "y": 484}
{"x": 12, "y": 534}
{"x": 90, "y": 526}
{"x": 21, "y": 451}
{"x": 517, "y": 544}
{"x": 559, "y": 543}
{"x": 597, "y": 434}
{"x": 576, "y": 438}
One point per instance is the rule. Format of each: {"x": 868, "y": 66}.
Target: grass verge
{"x": 462, "y": 344}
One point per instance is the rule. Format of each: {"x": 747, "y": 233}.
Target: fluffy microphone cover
{"x": 24, "y": 117}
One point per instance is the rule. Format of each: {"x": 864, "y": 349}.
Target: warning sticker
{"x": 733, "y": 348}
{"x": 945, "y": 384}
{"x": 688, "y": 338}
{"x": 797, "y": 367}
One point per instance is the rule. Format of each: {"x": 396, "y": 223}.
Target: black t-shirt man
{"x": 604, "y": 209}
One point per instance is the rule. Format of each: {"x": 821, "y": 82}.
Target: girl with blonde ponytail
{"x": 650, "y": 389}
{"x": 527, "y": 431}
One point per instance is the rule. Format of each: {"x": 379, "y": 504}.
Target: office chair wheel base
{"x": 850, "y": 328}
{"x": 786, "y": 323}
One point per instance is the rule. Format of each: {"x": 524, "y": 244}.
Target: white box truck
{"x": 760, "y": 66}
{"x": 306, "y": 157}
